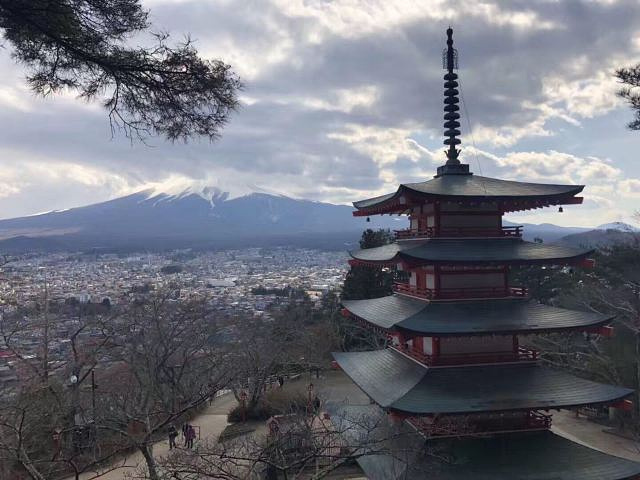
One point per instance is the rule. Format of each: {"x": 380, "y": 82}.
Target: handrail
{"x": 464, "y": 425}
{"x": 460, "y": 292}
{"x": 514, "y": 231}
{"x": 521, "y": 355}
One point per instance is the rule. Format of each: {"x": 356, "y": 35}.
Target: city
{"x": 234, "y": 284}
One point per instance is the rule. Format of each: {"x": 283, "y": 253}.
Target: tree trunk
{"x": 152, "y": 467}
{"x": 28, "y": 466}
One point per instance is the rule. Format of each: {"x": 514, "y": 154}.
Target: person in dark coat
{"x": 191, "y": 435}
{"x": 184, "y": 433}
{"x": 173, "y": 433}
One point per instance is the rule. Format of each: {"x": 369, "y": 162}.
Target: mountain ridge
{"x": 161, "y": 220}
{"x": 208, "y": 217}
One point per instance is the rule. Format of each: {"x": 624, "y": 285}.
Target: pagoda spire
{"x": 451, "y": 108}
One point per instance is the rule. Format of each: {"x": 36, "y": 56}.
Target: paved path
{"x": 591, "y": 434}
{"x": 336, "y": 386}
{"x": 212, "y": 421}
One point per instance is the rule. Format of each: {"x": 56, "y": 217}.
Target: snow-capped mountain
{"x": 203, "y": 216}
{"x": 620, "y": 226}
{"x": 192, "y": 217}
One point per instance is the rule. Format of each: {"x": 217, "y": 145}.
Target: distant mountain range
{"x": 204, "y": 219}
{"x": 603, "y": 235}
{"x": 209, "y": 218}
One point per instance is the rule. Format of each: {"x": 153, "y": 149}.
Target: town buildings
{"x": 238, "y": 286}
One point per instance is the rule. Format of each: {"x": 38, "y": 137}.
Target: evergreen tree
{"x": 630, "y": 78}
{"x": 369, "y": 282}
{"x": 376, "y": 238}
{"x": 83, "y": 46}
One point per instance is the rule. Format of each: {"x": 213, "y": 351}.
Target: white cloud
{"x": 630, "y": 187}
{"x": 343, "y": 100}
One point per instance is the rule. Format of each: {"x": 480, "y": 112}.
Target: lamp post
{"x": 73, "y": 384}
{"x": 93, "y": 395}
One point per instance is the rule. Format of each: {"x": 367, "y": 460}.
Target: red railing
{"x": 521, "y": 355}
{"x": 406, "y": 289}
{"x": 459, "y": 293}
{"x": 463, "y": 425}
{"x": 444, "y": 232}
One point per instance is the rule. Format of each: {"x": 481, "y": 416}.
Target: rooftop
{"x": 398, "y": 383}
{"x": 504, "y": 316}
{"x": 457, "y": 251}
{"x": 475, "y": 188}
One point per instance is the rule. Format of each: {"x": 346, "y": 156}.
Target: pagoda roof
{"x": 527, "y": 456}
{"x": 473, "y": 188}
{"x": 483, "y": 250}
{"x": 399, "y": 383}
{"x": 477, "y": 317}
{"x": 540, "y": 455}
{"x": 399, "y": 452}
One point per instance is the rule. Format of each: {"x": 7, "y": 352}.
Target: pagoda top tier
{"x": 454, "y": 181}
{"x": 472, "y": 190}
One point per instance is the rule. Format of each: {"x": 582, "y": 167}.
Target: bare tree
{"x": 127, "y": 376}
{"x": 41, "y": 422}
{"x": 164, "y": 366}
{"x": 261, "y": 353}
{"x": 613, "y": 288}
{"x": 298, "y": 446}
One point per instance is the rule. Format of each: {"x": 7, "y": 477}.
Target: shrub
{"x": 274, "y": 402}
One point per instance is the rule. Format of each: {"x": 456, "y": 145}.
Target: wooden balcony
{"x": 459, "y": 232}
{"x": 459, "y": 293}
{"x": 521, "y": 355}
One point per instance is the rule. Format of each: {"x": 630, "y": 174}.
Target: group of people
{"x": 188, "y": 433}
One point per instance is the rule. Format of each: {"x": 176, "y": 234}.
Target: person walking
{"x": 173, "y": 433}
{"x": 191, "y": 435}
{"x": 184, "y": 429}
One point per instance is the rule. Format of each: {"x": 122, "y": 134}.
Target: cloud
{"x": 630, "y": 187}
{"x": 344, "y": 100}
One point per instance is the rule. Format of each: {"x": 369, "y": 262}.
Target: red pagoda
{"x": 455, "y": 369}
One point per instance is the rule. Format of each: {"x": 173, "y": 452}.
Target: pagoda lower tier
{"x": 483, "y": 251}
{"x": 401, "y": 452}
{"x": 399, "y": 313}
{"x": 400, "y": 384}
{"x": 523, "y": 456}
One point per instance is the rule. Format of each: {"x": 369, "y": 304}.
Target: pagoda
{"x": 455, "y": 369}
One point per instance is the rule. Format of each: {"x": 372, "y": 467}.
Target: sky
{"x": 343, "y": 101}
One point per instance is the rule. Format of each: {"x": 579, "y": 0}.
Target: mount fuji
{"x": 204, "y": 217}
